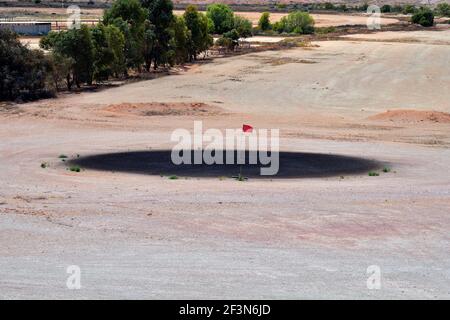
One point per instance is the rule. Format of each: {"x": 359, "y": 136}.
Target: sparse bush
{"x": 325, "y": 30}
{"x": 224, "y": 42}
{"x": 229, "y": 40}
{"x": 75, "y": 169}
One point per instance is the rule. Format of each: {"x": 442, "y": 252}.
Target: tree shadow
{"x": 291, "y": 165}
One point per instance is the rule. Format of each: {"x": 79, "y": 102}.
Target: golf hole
{"x": 291, "y": 165}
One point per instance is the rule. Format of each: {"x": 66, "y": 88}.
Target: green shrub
{"x": 443, "y": 9}
{"x": 409, "y": 9}
{"x": 386, "y": 8}
{"x": 329, "y": 6}
{"x": 363, "y": 7}
{"x": 424, "y": 17}
{"x": 397, "y": 8}
{"x": 243, "y": 26}
{"x": 75, "y": 169}
{"x": 264, "y": 22}
{"x": 296, "y": 22}
{"x": 229, "y": 40}
{"x": 222, "y": 17}
{"x": 342, "y": 8}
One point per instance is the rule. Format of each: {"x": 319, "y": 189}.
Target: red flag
{"x": 247, "y": 128}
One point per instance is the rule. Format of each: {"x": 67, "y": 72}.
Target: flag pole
{"x": 245, "y": 128}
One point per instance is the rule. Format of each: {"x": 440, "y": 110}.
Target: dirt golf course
{"x": 375, "y": 103}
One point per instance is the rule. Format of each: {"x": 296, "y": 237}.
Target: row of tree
{"x": 137, "y": 35}
{"x": 134, "y": 35}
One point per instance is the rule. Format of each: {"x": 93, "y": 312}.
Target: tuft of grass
{"x": 44, "y": 165}
{"x": 386, "y": 169}
{"x": 240, "y": 177}
{"x": 173, "y": 177}
{"x": 62, "y": 156}
{"x": 75, "y": 169}
{"x": 373, "y": 174}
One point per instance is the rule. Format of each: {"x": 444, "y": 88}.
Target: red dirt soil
{"x": 412, "y": 116}
{"x": 162, "y": 109}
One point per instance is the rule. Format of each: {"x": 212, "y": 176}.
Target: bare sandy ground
{"x": 356, "y": 79}
{"x": 437, "y": 38}
{"x": 31, "y": 42}
{"x": 137, "y": 235}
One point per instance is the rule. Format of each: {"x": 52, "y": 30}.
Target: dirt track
{"x": 137, "y": 235}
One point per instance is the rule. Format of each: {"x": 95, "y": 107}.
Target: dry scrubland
{"x": 147, "y": 236}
